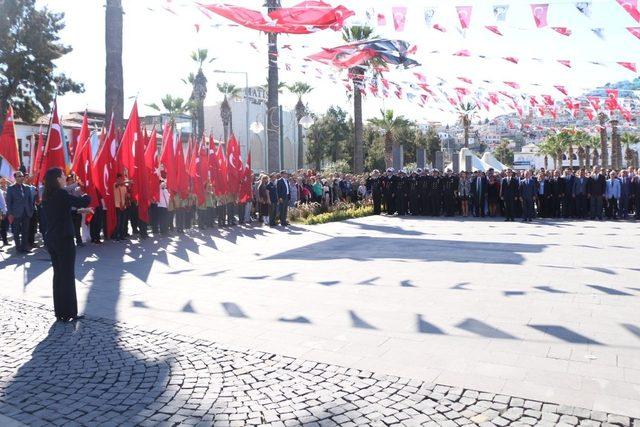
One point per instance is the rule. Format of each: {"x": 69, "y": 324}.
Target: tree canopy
{"x": 29, "y": 45}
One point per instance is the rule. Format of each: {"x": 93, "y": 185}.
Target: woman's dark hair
{"x": 51, "y": 182}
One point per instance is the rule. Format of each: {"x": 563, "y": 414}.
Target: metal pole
{"x": 281, "y": 138}
{"x": 246, "y": 102}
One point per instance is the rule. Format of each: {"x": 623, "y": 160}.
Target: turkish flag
{"x": 126, "y": 152}
{"x": 152, "y": 166}
{"x": 182, "y": 177}
{"x": 53, "y": 156}
{"x": 234, "y": 169}
{"x": 37, "y": 157}
{"x": 77, "y": 165}
{"x": 104, "y": 172}
{"x": 8, "y": 141}
{"x": 631, "y": 7}
{"x": 168, "y": 158}
{"x": 195, "y": 174}
{"x": 246, "y": 187}
{"x": 220, "y": 181}
{"x": 464, "y": 15}
{"x": 540, "y": 14}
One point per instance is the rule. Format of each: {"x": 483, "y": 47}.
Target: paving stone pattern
{"x": 99, "y": 372}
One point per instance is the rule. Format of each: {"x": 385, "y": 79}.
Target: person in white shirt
{"x": 163, "y": 203}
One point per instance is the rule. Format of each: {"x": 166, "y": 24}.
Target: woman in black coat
{"x": 59, "y": 240}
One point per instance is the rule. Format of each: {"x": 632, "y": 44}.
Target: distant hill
{"x": 625, "y": 85}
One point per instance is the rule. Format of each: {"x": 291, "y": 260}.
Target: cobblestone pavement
{"x": 101, "y": 372}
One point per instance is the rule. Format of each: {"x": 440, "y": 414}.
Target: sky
{"x": 159, "y": 36}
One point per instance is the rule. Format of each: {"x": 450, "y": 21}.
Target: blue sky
{"x": 158, "y": 43}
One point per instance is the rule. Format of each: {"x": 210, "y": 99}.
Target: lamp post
{"x": 246, "y": 101}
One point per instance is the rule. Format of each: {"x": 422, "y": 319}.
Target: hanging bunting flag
{"x": 420, "y": 77}
{"x": 382, "y": 20}
{"x": 562, "y": 89}
{"x": 464, "y": 15}
{"x": 548, "y": 100}
{"x": 629, "y": 66}
{"x": 513, "y": 85}
{"x": 493, "y": 29}
{"x": 541, "y": 110}
{"x": 533, "y": 101}
{"x": 565, "y": 62}
{"x": 463, "y": 52}
{"x": 540, "y": 14}
{"x": 595, "y": 102}
{"x": 599, "y": 32}
{"x": 428, "y": 15}
{"x": 626, "y": 114}
{"x": 465, "y": 79}
{"x": 635, "y": 31}
{"x": 611, "y": 103}
{"x": 562, "y": 30}
{"x": 439, "y": 28}
{"x": 511, "y": 59}
{"x": 399, "y": 17}
{"x": 500, "y": 12}
{"x": 631, "y": 7}
{"x": 589, "y": 113}
{"x": 584, "y": 7}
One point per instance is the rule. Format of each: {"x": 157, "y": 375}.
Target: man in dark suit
{"x": 580, "y": 194}
{"x": 596, "y": 187}
{"x": 568, "y": 208}
{"x": 509, "y": 194}
{"x": 625, "y": 193}
{"x": 284, "y": 195}
{"x": 557, "y": 187}
{"x": 374, "y": 187}
{"x": 543, "y": 195}
{"x": 527, "y": 192}
{"x": 20, "y": 206}
{"x": 479, "y": 191}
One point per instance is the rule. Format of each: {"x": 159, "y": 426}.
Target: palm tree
{"x": 388, "y": 125}
{"x": 580, "y": 138}
{"x": 629, "y": 154}
{"x": 590, "y": 142}
{"x": 175, "y": 107}
{"x": 199, "y": 92}
{"x": 616, "y": 146}
{"x": 113, "y": 78}
{"x": 466, "y": 112}
{"x": 566, "y": 138}
{"x": 353, "y": 34}
{"x": 273, "y": 110}
{"x": 546, "y": 148}
{"x": 300, "y": 89}
{"x": 229, "y": 91}
{"x": 604, "y": 155}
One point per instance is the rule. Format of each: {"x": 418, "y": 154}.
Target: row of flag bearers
{"x": 135, "y": 178}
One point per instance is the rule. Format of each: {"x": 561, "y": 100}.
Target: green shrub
{"x": 338, "y": 212}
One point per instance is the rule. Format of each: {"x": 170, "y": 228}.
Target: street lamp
{"x": 246, "y": 101}
{"x": 306, "y": 121}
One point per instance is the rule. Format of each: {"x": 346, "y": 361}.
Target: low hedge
{"x": 339, "y": 215}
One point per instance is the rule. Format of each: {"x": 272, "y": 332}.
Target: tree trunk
{"x": 358, "y": 147}
{"x": 388, "y": 149}
{"x": 595, "y": 156}
{"x": 273, "y": 113}
{"x": 587, "y": 157}
{"x": 465, "y": 124}
{"x": 114, "y": 86}
{"x": 616, "y": 146}
{"x": 546, "y": 162}
{"x": 571, "y": 156}
{"x": 604, "y": 155}
{"x": 300, "y": 111}
{"x": 225, "y": 115}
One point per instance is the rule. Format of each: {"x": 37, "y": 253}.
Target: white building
{"x": 241, "y": 121}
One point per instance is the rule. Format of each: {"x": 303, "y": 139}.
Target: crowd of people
{"x": 568, "y": 194}
{"x": 579, "y": 194}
